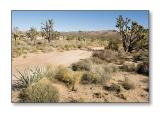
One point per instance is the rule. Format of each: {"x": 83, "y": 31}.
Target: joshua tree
{"x": 32, "y": 33}
{"x": 131, "y": 33}
{"x": 15, "y": 34}
{"x": 47, "y": 29}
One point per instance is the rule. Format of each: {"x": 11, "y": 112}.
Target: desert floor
{"x": 84, "y": 93}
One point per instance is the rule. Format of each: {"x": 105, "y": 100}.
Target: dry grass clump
{"x": 64, "y": 74}
{"x": 40, "y": 92}
{"x": 128, "y": 84}
{"x": 109, "y": 68}
{"x": 128, "y": 67}
{"x": 96, "y": 60}
{"x": 113, "y": 45}
{"x": 141, "y": 55}
{"x": 82, "y": 65}
{"x": 97, "y": 75}
{"x": 51, "y": 71}
{"x": 107, "y": 55}
{"x": 69, "y": 77}
{"x": 90, "y": 78}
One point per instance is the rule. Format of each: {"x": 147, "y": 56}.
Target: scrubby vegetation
{"x": 40, "y": 92}
{"x": 29, "y": 77}
{"x": 48, "y": 39}
{"x": 125, "y": 51}
{"x": 128, "y": 84}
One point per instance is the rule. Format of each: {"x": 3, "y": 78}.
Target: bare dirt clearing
{"x": 55, "y": 58}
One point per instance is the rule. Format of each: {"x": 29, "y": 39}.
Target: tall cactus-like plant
{"x": 47, "y": 29}
{"x": 15, "y": 34}
{"x": 32, "y": 33}
{"x": 131, "y": 33}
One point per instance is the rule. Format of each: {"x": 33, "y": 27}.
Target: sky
{"x": 76, "y": 20}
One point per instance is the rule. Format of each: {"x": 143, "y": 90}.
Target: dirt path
{"x": 56, "y": 58}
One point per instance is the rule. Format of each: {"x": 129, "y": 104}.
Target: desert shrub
{"x": 39, "y": 42}
{"x": 96, "y": 60}
{"x": 79, "y": 46}
{"x": 102, "y": 73}
{"x": 109, "y": 68}
{"x": 128, "y": 84}
{"x": 107, "y": 55}
{"x": 69, "y": 77}
{"x": 137, "y": 57}
{"x": 32, "y": 33}
{"x": 64, "y": 74}
{"x": 33, "y": 50}
{"x": 113, "y": 87}
{"x": 141, "y": 56}
{"x": 112, "y": 45}
{"x": 40, "y": 92}
{"x": 82, "y": 65}
{"x": 76, "y": 80}
{"x": 50, "y": 72}
{"x": 128, "y": 67}
{"x": 71, "y": 37}
{"x": 97, "y": 75}
{"x": 90, "y": 78}
{"x": 29, "y": 77}
{"x": 143, "y": 68}
{"x": 20, "y": 48}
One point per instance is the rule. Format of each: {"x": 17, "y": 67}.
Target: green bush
{"x": 40, "y": 92}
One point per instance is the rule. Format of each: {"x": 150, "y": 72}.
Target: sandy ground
{"x": 96, "y": 93}
{"x": 55, "y": 58}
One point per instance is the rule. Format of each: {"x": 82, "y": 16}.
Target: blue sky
{"x": 76, "y": 20}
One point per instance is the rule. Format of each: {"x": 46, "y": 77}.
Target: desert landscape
{"x": 99, "y": 66}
